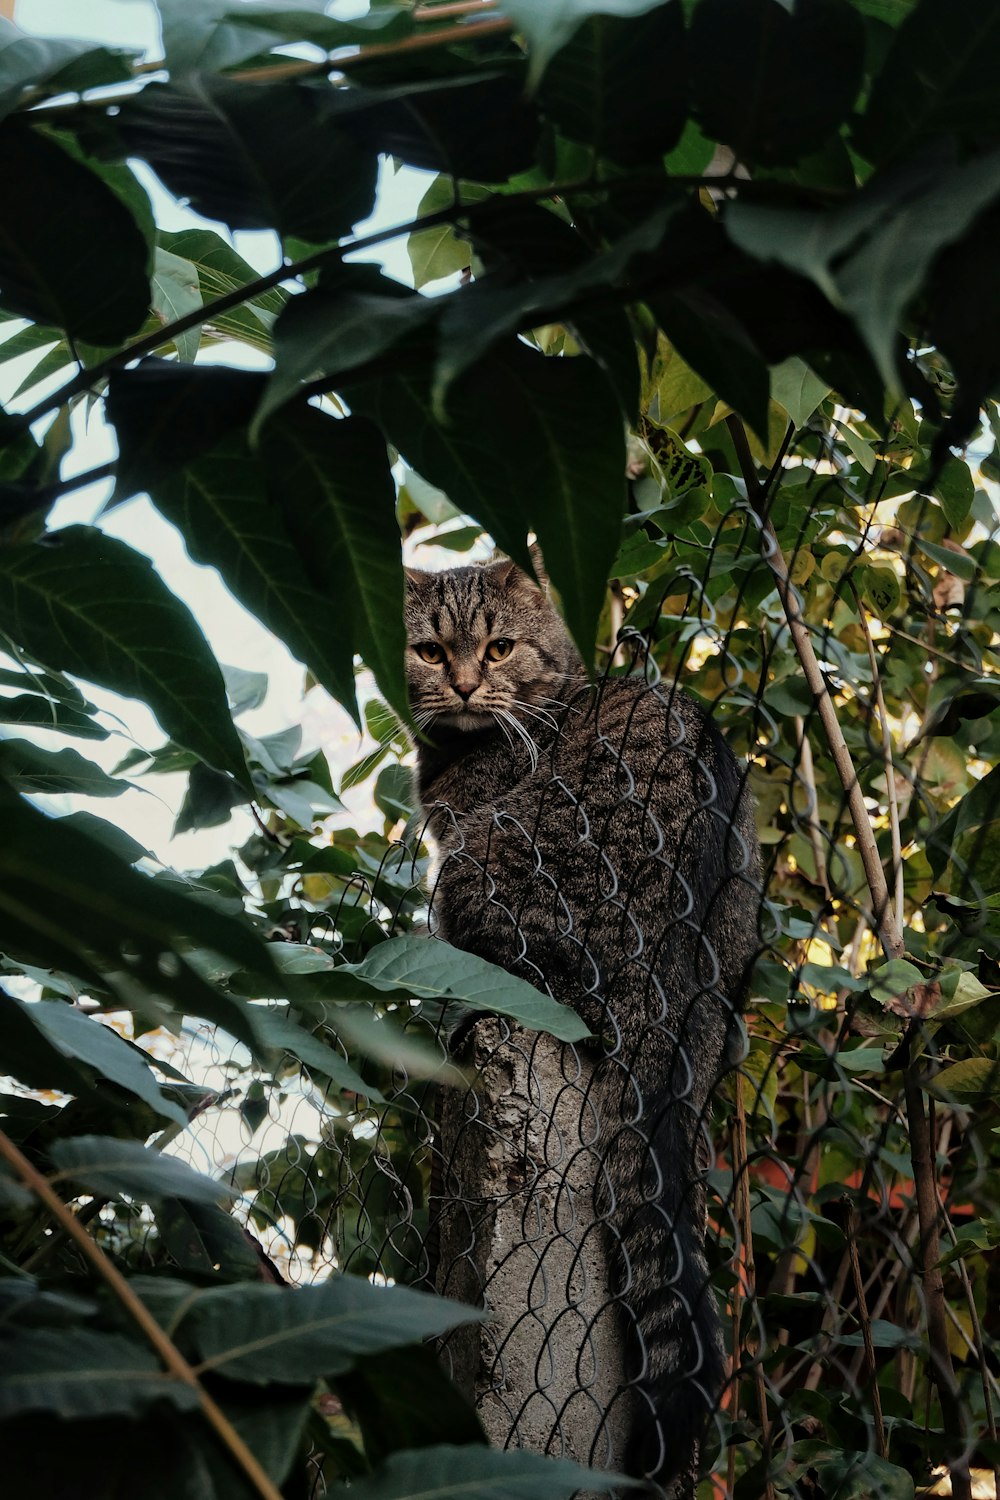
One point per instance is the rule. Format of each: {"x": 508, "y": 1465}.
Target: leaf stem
{"x": 890, "y": 771}
{"x": 171, "y": 1356}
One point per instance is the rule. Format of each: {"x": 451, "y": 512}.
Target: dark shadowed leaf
{"x": 404, "y": 1399}
{"x": 226, "y": 147}
{"x": 100, "y": 293}
{"x": 59, "y": 62}
{"x": 261, "y": 1333}
{"x": 467, "y": 1473}
{"x": 80, "y": 1039}
{"x": 30, "y": 710}
{"x": 86, "y": 603}
{"x": 939, "y": 78}
{"x": 108, "y": 1166}
{"x": 599, "y": 85}
{"x": 549, "y": 27}
{"x": 29, "y": 769}
{"x": 772, "y": 83}
{"x": 201, "y": 1237}
{"x": 307, "y": 21}
{"x": 200, "y": 36}
{"x": 79, "y": 1373}
{"x": 561, "y": 411}
{"x": 871, "y": 256}
{"x": 482, "y": 128}
{"x": 330, "y": 481}
{"x": 221, "y": 508}
{"x": 354, "y": 317}
{"x": 166, "y": 415}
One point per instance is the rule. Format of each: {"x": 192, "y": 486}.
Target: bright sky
{"x": 235, "y": 636}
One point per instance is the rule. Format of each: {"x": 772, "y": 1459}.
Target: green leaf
{"x": 29, "y": 769}
{"x": 956, "y": 490}
{"x": 958, "y": 562}
{"x": 176, "y": 292}
{"x": 261, "y": 1334}
{"x": 773, "y": 82}
{"x": 32, "y": 711}
{"x": 880, "y": 589}
{"x": 226, "y": 146}
{"x": 196, "y": 36}
{"x": 202, "y": 1238}
{"x": 79, "y": 1039}
{"x": 851, "y": 1476}
{"x": 435, "y": 970}
{"x": 307, "y": 21}
{"x": 549, "y": 27}
{"x": 110, "y": 1167}
{"x": 471, "y": 1473}
{"x": 88, "y": 604}
{"x": 345, "y": 324}
{"x": 79, "y": 1372}
{"x": 597, "y": 87}
{"x": 330, "y": 482}
{"x": 797, "y": 389}
{"x": 404, "y": 1399}
{"x": 32, "y": 61}
{"x": 870, "y": 257}
{"x": 515, "y": 401}
{"x": 938, "y": 78}
{"x": 221, "y": 271}
{"x": 99, "y": 293}
{"x": 972, "y": 1078}
{"x": 893, "y": 979}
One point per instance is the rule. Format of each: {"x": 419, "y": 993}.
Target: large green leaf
{"x": 938, "y": 79}
{"x": 86, "y": 603}
{"x": 176, "y": 291}
{"x": 472, "y": 1473}
{"x": 32, "y": 711}
{"x": 167, "y": 414}
{"x": 772, "y": 82}
{"x": 36, "y": 61}
{"x": 78, "y": 1372}
{"x": 102, "y": 1164}
{"x": 226, "y": 146}
{"x": 435, "y": 970}
{"x": 549, "y": 27}
{"x": 514, "y": 402}
{"x": 330, "y": 481}
{"x": 353, "y": 318}
{"x": 48, "y": 1044}
{"x": 196, "y": 35}
{"x": 29, "y": 769}
{"x": 870, "y": 257}
{"x": 220, "y": 506}
{"x": 100, "y": 292}
{"x": 598, "y": 86}
{"x": 307, "y": 21}
{"x": 264, "y": 1333}
{"x": 220, "y": 271}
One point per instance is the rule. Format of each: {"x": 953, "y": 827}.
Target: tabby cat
{"x": 599, "y": 843}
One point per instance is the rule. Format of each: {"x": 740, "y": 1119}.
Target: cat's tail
{"x": 654, "y": 1206}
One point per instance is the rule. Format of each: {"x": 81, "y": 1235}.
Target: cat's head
{"x": 482, "y": 640}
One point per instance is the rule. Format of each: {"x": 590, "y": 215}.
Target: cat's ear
{"x": 535, "y": 553}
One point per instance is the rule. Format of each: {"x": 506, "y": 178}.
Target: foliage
{"x": 714, "y": 287}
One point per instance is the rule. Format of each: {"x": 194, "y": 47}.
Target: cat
{"x": 599, "y": 842}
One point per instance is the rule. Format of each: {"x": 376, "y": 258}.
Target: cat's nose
{"x": 465, "y": 690}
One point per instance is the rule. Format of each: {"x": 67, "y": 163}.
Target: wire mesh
{"x": 799, "y": 1169}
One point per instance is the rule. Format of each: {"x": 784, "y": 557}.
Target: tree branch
{"x": 171, "y": 1356}
{"x": 759, "y": 496}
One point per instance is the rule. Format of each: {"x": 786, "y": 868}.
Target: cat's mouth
{"x": 466, "y": 717}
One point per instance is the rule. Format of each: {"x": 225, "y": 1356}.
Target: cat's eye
{"x": 430, "y": 651}
{"x": 497, "y": 650}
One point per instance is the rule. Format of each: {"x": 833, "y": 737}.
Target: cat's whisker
{"x": 498, "y": 721}
{"x": 534, "y": 711}
{"x": 520, "y": 730}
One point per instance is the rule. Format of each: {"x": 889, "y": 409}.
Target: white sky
{"x": 236, "y": 637}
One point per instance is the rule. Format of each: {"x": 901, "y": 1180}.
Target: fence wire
{"x": 801, "y": 1154}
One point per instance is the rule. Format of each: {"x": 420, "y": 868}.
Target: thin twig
{"x": 866, "y": 1333}
{"x": 890, "y": 769}
{"x": 741, "y": 1171}
{"x": 171, "y": 1356}
{"x": 807, "y": 775}
{"x": 929, "y": 1271}
{"x": 864, "y": 833}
